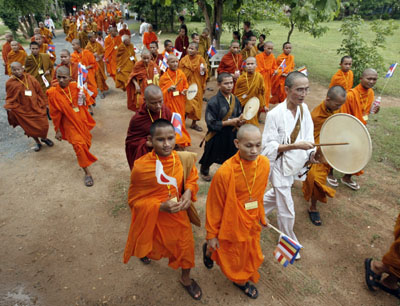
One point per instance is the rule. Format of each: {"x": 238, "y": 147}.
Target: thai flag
{"x": 162, "y": 178}
{"x": 389, "y": 74}
{"x": 286, "y": 250}
{"x": 164, "y": 64}
{"x": 51, "y": 48}
{"x": 177, "y": 53}
{"x": 211, "y": 52}
{"x": 176, "y": 121}
{"x": 82, "y": 75}
{"x": 216, "y": 27}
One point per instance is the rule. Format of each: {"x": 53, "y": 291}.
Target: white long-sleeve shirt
{"x": 49, "y": 23}
{"x": 144, "y": 27}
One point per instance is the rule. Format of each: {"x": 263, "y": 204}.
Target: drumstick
{"x": 331, "y": 144}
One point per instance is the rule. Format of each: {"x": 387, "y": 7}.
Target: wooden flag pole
{"x": 275, "y": 229}
{"x": 331, "y": 144}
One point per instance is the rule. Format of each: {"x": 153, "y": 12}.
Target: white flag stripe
{"x": 160, "y": 171}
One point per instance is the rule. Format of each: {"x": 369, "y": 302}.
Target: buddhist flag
{"x": 177, "y": 53}
{"x": 212, "y": 51}
{"x": 286, "y": 250}
{"x": 82, "y": 75}
{"x": 389, "y": 74}
{"x": 162, "y": 178}
{"x": 283, "y": 65}
{"x": 176, "y": 121}
{"x": 303, "y": 70}
{"x": 164, "y": 64}
{"x": 51, "y": 48}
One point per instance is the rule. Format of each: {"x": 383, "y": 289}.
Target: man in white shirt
{"x": 144, "y": 27}
{"x": 48, "y": 23}
{"x": 288, "y": 142}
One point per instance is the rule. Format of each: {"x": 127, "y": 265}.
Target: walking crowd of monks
{"x": 163, "y": 173}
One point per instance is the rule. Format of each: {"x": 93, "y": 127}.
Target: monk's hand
{"x": 172, "y": 88}
{"x": 58, "y": 136}
{"x": 170, "y": 207}
{"x": 213, "y": 243}
{"x": 186, "y": 199}
{"x": 183, "y": 92}
{"x": 315, "y": 157}
{"x": 303, "y": 145}
{"x": 47, "y": 72}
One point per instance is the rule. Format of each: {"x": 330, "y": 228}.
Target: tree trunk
{"x": 203, "y": 7}
{"x": 172, "y": 19}
{"x": 26, "y": 25}
{"x": 218, "y": 9}
{"x": 292, "y": 24}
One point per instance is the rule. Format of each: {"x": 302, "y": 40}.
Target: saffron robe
{"x": 248, "y": 53}
{"x": 111, "y": 45}
{"x": 149, "y": 37}
{"x": 124, "y": 32}
{"x": 29, "y": 112}
{"x": 204, "y": 45}
{"x": 266, "y": 65}
{"x": 139, "y": 130}
{"x": 19, "y": 56}
{"x": 83, "y": 38}
{"x": 230, "y": 63}
{"x": 44, "y": 48}
{"x": 47, "y": 33}
{"x": 126, "y": 60}
{"x": 238, "y": 230}
{"x": 191, "y": 68}
{"x": 278, "y": 81}
{"x": 358, "y": 102}
{"x": 85, "y": 57}
{"x": 4, "y": 52}
{"x": 144, "y": 76}
{"x": 41, "y": 62}
{"x": 154, "y": 233}
{"x": 176, "y": 104}
{"x": 344, "y": 79}
{"x": 72, "y": 32}
{"x": 392, "y": 257}
{"x": 98, "y": 51}
{"x": 74, "y": 126}
{"x": 249, "y": 86}
{"x": 73, "y": 72}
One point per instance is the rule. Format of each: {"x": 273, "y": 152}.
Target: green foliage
{"x": 365, "y": 54}
{"x": 9, "y": 15}
{"x": 372, "y": 9}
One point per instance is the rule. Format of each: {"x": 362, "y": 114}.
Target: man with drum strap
{"x": 288, "y": 142}
{"x": 314, "y": 187}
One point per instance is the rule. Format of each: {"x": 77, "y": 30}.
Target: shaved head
{"x": 246, "y": 130}
{"x": 292, "y": 77}
{"x": 152, "y": 90}
{"x": 76, "y": 41}
{"x": 16, "y": 65}
{"x": 248, "y": 142}
{"x": 145, "y": 52}
{"x": 336, "y": 92}
{"x": 62, "y": 70}
{"x": 251, "y": 59}
{"x": 369, "y": 78}
{"x": 171, "y": 58}
{"x": 153, "y": 98}
{"x": 369, "y": 71}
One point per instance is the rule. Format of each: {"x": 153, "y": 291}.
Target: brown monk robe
{"x": 344, "y": 76}
{"x": 251, "y": 84}
{"x": 65, "y": 24}
{"x": 36, "y": 31}
{"x": 144, "y": 73}
{"x": 248, "y": 50}
{"x": 7, "y": 49}
{"x": 73, "y": 31}
{"x": 15, "y": 55}
{"x": 83, "y": 36}
{"x": 44, "y": 48}
{"x": 65, "y": 57}
{"x": 390, "y": 265}
{"x": 126, "y": 59}
{"x": 195, "y": 69}
{"x": 98, "y": 52}
{"x": 71, "y": 119}
{"x": 40, "y": 66}
{"x": 111, "y": 44}
{"x": 314, "y": 187}
{"x": 124, "y": 30}
{"x": 204, "y": 45}
{"x": 231, "y": 62}
{"x": 155, "y": 56}
{"x": 359, "y": 103}
{"x": 160, "y": 226}
{"x": 266, "y": 65}
{"x": 26, "y": 105}
{"x": 235, "y": 212}
{"x": 153, "y": 108}
{"x": 46, "y": 33}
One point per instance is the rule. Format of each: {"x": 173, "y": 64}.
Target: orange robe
{"x": 191, "y": 69}
{"x": 44, "y": 49}
{"x": 144, "y": 76}
{"x": 344, "y": 79}
{"x": 73, "y": 72}
{"x": 248, "y": 53}
{"x": 278, "y": 81}
{"x": 249, "y": 86}
{"x": 29, "y": 112}
{"x": 266, "y": 65}
{"x": 72, "y": 32}
{"x": 392, "y": 258}
{"x": 44, "y": 39}
{"x": 230, "y": 63}
{"x": 126, "y": 59}
{"x": 4, "y": 52}
{"x": 153, "y": 233}
{"x": 101, "y": 77}
{"x": 123, "y": 32}
{"x": 314, "y": 187}
{"x": 42, "y": 62}
{"x": 204, "y": 45}
{"x": 237, "y": 229}
{"x": 83, "y": 39}
{"x": 111, "y": 45}
{"x": 47, "y": 33}
{"x": 87, "y": 58}
{"x": 149, "y": 37}
{"x": 12, "y": 57}
{"x": 358, "y": 102}
{"x": 176, "y": 104}
{"x": 74, "y": 126}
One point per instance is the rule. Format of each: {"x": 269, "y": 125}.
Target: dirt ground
{"x": 62, "y": 243}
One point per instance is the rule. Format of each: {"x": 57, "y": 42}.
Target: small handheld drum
{"x": 192, "y": 91}
{"x": 251, "y": 108}
{"x": 345, "y": 128}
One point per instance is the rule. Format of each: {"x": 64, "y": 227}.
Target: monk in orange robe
{"x": 314, "y": 187}
{"x": 111, "y": 44}
{"x": 46, "y": 33}
{"x": 251, "y": 84}
{"x": 126, "y": 59}
{"x": 194, "y": 67}
{"x": 204, "y": 46}
{"x": 26, "y": 105}
{"x": 85, "y": 57}
{"x": 36, "y": 31}
{"x": 65, "y": 57}
{"x": 344, "y": 76}
{"x": 83, "y": 36}
{"x": 144, "y": 73}
{"x": 266, "y": 65}
{"x": 390, "y": 265}
{"x": 44, "y": 48}
{"x": 168, "y": 48}
{"x": 235, "y": 212}
{"x": 7, "y": 49}
{"x": 124, "y": 30}
{"x": 15, "y": 55}
{"x": 285, "y": 63}
{"x": 71, "y": 119}
{"x": 359, "y": 104}
{"x": 248, "y": 50}
{"x": 149, "y": 37}
{"x": 160, "y": 225}
{"x": 73, "y": 31}
{"x": 98, "y": 51}
{"x": 231, "y": 62}
{"x": 174, "y": 86}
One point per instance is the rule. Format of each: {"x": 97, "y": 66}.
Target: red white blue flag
{"x": 216, "y": 27}
{"x": 389, "y": 74}
{"x": 212, "y": 51}
{"x": 51, "y": 48}
{"x": 82, "y": 75}
{"x": 164, "y": 63}
{"x": 176, "y": 121}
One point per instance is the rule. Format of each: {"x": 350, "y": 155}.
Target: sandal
{"x": 48, "y": 142}
{"x": 332, "y": 181}
{"x": 89, "y": 181}
{"x": 371, "y": 278}
{"x": 37, "y": 147}
{"x": 208, "y": 262}
{"x": 315, "y": 218}
{"x": 248, "y": 289}
{"x": 196, "y": 128}
{"x": 145, "y": 260}
{"x": 353, "y": 185}
{"x": 395, "y": 292}
{"x": 193, "y": 289}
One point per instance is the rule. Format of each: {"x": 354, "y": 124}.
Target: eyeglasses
{"x": 301, "y": 90}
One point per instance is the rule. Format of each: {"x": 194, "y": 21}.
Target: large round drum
{"x": 192, "y": 91}
{"x": 251, "y": 108}
{"x": 351, "y": 158}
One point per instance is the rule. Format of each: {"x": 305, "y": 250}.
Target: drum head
{"x": 192, "y": 91}
{"x": 251, "y": 108}
{"x": 351, "y": 158}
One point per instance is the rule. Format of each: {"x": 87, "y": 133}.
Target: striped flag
{"x": 286, "y": 250}
{"x": 176, "y": 121}
{"x": 303, "y": 70}
{"x": 164, "y": 63}
{"x": 82, "y": 75}
{"x": 283, "y": 65}
{"x": 212, "y": 51}
{"x": 389, "y": 74}
{"x": 51, "y": 48}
